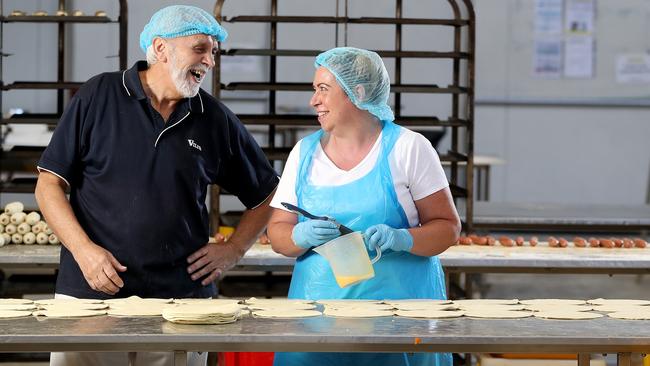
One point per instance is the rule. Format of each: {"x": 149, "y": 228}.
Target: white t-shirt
{"x": 414, "y": 164}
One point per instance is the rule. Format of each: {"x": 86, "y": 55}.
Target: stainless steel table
{"x": 391, "y": 334}
{"x": 456, "y": 259}
{"x": 543, "y": 259}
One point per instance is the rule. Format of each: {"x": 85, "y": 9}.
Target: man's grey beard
{"x": 180, "y": 78}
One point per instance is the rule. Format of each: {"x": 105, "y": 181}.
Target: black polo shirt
{"x": 138, "y": 184}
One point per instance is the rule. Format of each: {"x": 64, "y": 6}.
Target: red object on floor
{"x": 245, "y": 358}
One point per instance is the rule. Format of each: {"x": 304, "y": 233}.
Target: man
{"x": 138, "y": 148}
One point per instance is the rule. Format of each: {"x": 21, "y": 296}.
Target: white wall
{"x": 562, "y": 154}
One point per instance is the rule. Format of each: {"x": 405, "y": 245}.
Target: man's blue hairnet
{"x": 179, "y": 21}
{"x": 363, "y": 76}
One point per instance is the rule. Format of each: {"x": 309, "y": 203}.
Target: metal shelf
{"x": 281, "y": 153}
{"x": 458, "y": 191}
{"x": 309, "y": 120}
{"x": 461, "y": 88}
{"x": 20, "y": 160}
{"x": 56, "y": 19}
{"x": 343, "y": 20}
{"x": 53, "y": 85}
{"x": 313, "y": 53}
{"x": 306, "y": 120}
{"x": 395, "y": 88}
{"x": 30, "y": 121}
{"x": 11, "y": 187}
{"x": 50, "y": 119}
{"x": 276, "y": 153}
{"x": 25, "y": 159}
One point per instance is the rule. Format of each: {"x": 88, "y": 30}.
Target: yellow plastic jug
{"x": 348, "y": 257}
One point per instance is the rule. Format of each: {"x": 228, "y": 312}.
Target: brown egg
{"x": 606, "y": 243}
{"x": 628, "y": 243}
{"x": 480, "y": 240}
{"x": 640, "y": 243}
{"x": 579, "y": 242}
{"x": 506, "y": 241}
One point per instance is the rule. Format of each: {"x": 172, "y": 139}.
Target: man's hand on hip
{"x": 100, "y": 268}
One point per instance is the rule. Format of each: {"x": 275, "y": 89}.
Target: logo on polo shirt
{"x": 194, "y": 144}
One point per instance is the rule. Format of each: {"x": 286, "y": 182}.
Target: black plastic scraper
{"x": 297, "y": 210}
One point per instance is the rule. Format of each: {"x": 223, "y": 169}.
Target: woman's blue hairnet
{"x": 179, "y": 21}
{"x": 363, "y": 76}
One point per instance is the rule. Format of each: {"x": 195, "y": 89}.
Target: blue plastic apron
{"x": 360, "y": 204}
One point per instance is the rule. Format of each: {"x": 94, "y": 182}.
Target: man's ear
{"x": 160, "y": 49}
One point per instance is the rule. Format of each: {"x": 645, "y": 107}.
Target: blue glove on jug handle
{"x": 375, "y": 247}
{"x": 312, "y": 233}
{"x": 371, "y": 247}
{"x": 385, "y": 237}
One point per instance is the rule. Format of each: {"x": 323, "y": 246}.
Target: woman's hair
{"x": 363, "y": 76}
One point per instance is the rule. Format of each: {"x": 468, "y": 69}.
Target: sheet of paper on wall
{"x": 548, "y": 17}
{"x": 579, "y": 57}
{"x": 633, "y": 68}
{"x": 547, "y": 59}
{"x": 579, "y": 16}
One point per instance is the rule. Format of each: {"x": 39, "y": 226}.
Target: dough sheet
{"x": 429, "y": 314}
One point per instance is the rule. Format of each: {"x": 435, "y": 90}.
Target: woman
{"x": 372, "y": 176}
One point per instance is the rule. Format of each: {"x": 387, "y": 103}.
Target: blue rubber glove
{"x": 312, "y": 233}
{"x": 385, "y": 237}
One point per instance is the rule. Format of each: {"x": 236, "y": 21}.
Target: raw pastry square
{"x": 69, "y": 313}
{"x": 20, "y": 307}
{"x": 501, "y": 314}
{"x": 67, "y": 301}
{"x": 9, "y": 314}
{"x": 285, "y": 313}
{"x": 356, "y": 313}
{"x": 567, "y": 315}
{"x": 281, "y": 306}
{"x": 618, "y": 302}
{"x": 254, "y": 300}
{"x": 487, "y": 301}
{"x": 202, "y": 314}
{"x": 553, "y": 302}
{"x": 16, "y": 301}
{"x": 630, "y": 315}
{"x": 429, "y": 314}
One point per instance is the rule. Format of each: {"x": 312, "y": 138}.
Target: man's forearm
{"x": 251, "y": 225}
{"x": 56, "y": 209}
